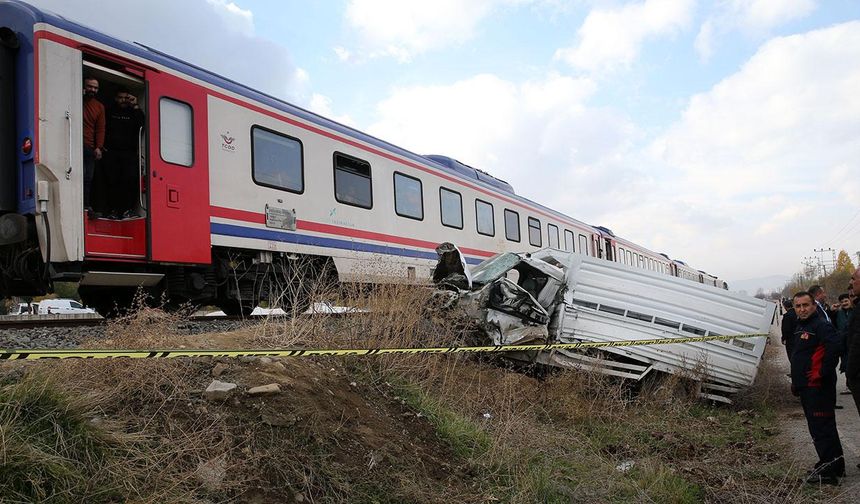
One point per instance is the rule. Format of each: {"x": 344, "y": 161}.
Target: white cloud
{"x": 766, "y": 14}
{"x": 784, "y": 217}
{"x": 517, "y": 131}
{"x": 613, "y": 37}
{"x": 753, "y": 17}
{"x": 790, "y": 112}
{"x": 234, "y": 17}
{"x": 321, "y": 105}
{"x": 402, "y": 29}
{"x": 704, "y": 43}
{"x": 215, "y": 34}
{"x": 768, "y": 148}
{"x": 342, "y": 53}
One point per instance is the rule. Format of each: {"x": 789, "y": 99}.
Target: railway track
{"x": 33, "y": 321}
{"x": 68, "y": 331}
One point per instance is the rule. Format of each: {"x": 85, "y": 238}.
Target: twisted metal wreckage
{"x": 554, "y": 296}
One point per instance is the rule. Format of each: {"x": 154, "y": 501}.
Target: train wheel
{"x": 108, "y": 302}
{"x": 236, "y": 308}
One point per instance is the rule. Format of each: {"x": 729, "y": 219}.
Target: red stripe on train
{"x": 318, "y": 227}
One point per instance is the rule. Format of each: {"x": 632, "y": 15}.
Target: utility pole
{"x": 823, "y": 263}
{"x": 809, "y": 266}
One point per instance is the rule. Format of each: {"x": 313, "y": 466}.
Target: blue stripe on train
{"x": 318, "y": 241}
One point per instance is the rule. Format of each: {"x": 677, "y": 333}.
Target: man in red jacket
{"x": 94, "y": 135}
{"x": 813, "y": 378}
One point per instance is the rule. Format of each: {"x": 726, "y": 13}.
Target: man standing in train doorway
{"x": 94, "y": 136}
{"x": 122, "y": 154}
{"x": 813, "y": 378}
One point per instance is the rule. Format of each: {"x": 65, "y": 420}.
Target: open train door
{"x": 178, "y": 176}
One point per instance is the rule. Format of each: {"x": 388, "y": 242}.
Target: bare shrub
{"x": 771, "y": 387}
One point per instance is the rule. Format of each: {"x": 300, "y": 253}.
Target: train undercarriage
{"x": 237, "y": 280}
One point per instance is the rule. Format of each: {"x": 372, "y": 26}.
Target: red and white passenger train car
{"x": 239, "y": 191}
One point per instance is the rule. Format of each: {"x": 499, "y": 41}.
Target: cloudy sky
{"x": 725, "y": 133}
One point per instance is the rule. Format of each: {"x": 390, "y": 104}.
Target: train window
{"x": 276, "y": 160}
{"x": 534, "y": 232}
{"x": 451, "y": 206}
{"x": 583, "y": 245}
{"x": 352, "y": 181}
{"x": 512, "y": 225}
{"x": 176, "y": 126}
{"x": 568, "y": 240}
{"x": 485, "y": 218}
{"x": 408, "y": 197}
{"x": 621, "y": 257}
{"x": 552, "y": 235}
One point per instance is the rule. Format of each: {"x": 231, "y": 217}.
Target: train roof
{"x": 470, "y": 172}
{"x": 448, "y": 164}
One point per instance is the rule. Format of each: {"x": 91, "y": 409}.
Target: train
{"x": 239, "y": 193}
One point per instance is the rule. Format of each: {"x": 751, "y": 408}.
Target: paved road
{"x": 795, "y": 431}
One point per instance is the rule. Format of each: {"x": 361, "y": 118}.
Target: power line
{"x": 850, "y": 221}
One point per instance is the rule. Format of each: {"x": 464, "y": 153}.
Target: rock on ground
{"x": 272, "y": 388}
{"x": 218, "y": 390}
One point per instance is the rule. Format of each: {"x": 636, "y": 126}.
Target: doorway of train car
{"x": 115, "y": 208}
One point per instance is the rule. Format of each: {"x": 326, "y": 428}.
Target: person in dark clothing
{"x": 820, "y": 296}
{"x": 813, "y": 378}
{"x": 121, "y": 160}
{"x": 852, "y": 337}
{"x": 94, "y": 136}
{"x": 789, "y": 322}
{"x": 840, "y": 320}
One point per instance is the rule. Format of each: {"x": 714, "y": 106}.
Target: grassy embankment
{"x": 382, "y": 429}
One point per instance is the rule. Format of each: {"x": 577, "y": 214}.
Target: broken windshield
{"x": 494, "y": 268}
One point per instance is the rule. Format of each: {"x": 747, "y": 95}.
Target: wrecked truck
{"x": 552, "y": 296}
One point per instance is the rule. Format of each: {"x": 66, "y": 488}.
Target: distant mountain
{"x": 752, "y": 285}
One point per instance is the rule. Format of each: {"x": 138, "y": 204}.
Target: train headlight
{"x": 27, "y": 146}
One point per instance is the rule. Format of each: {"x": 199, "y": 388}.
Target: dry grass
{"x": 400, "y": 428}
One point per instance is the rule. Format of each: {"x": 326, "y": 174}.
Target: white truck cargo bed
{"x": 607, "y": 301}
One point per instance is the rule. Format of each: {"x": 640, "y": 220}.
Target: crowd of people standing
{"x": 821, "y": 339}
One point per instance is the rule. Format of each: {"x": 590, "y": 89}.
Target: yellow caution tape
{"x": 23, "y": 354}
